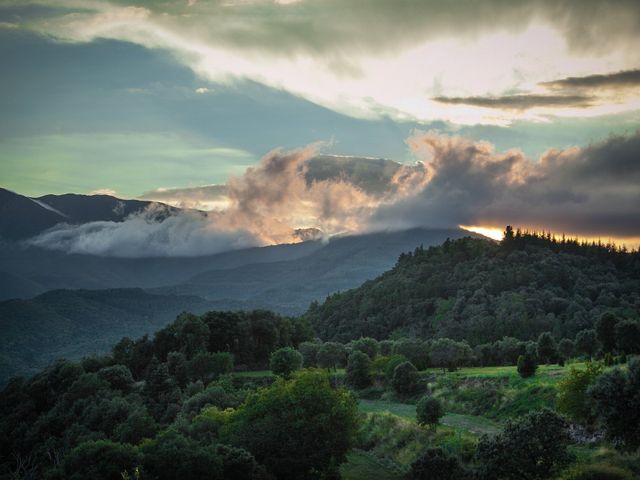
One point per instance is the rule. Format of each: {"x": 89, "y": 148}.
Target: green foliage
{"x": 414, "y": 349}
{"x": 358, "y": 374}
{"x": 332, "y": 355}
{"x": 392, "y": 363}
{"x": 628, "y": 336}
{"x": 547, "y": 349}
{"x": 309, "y": 352}
{"x": 572, "y": 397}
{"x": 366, "y": 345}
{"x": 616, "y": 402}
{"x": 405, "y": 379}
{"x": 100, "y": 460}
{"x": 533, "y": 448}
{"x": 527, "y": 365}
{"x": 586, "y": 342}
{"x": 606, "y": 331}
{"x": 429, "y": 411}
{"x": 566, "y": 348}
{"x": 118, "y": 376}
{"x": 436, "y": 464}
{"x": 474, "y": 290}
{"x": 285, "y": 361}
{"x": 447, "y": 353}
{"x": 598, "y": 472}
{"x": 296, "y": 427}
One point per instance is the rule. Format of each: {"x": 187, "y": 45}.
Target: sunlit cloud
{"x": 501, "y": 50}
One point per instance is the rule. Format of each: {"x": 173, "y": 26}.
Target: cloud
{"x": 287, "y": 197}
{"x": 374, "y": 59}
{"x": 624, "y": 79}
{"x": 295, "y": 195}
{"x": 521, "y": 102}
{"x": 591, "y": 191}
{"x": 103, "y": 191}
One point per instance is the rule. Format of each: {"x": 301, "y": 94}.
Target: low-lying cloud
{"x": 292, "y": 196}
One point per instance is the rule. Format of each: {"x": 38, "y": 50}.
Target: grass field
{"x": 472, "y": 424}
{"x": 362, "y": 465}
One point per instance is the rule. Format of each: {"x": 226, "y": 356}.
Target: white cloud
{"x": 364, "y": 75}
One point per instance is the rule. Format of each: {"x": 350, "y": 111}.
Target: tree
{"x": 586, "y": 342}
{"x": 178, "y": 368}
{"x": 118, "y": 376}
{"x": 566, "y": 348}
{"x": 309, "y": 352}
{"x": 100, "y": 460}
{"x": 331, "y": 355}
{"x": 171, "y": 455}
{"x": 358, "y": 370}
{"x": 207, "y": 366}
{"x": 606, "y": 331}
{"x": 285, "y": 361}
{"x": 366, "y": 345}
{"x": 533, "y": 448}
{"x": 429, "y": 411}
{"x": 547, "y": 349}
{"x": 296, "y": 428}
{"x": 405, "y": 378}
{"x": 414, "y": 349}
{"x": 628, "y": 336}
{"x": 527, "y": 365}
{"x": 447, "y": 353}
{"x": 616, "y": 402}
{"x": 572, "y": 393}
{"x": 436, "y": 464}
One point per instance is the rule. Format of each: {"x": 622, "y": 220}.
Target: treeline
{"x": 611, "y": 336}
{"x": 481, "y": 291}
{"x": 142, "y": 407}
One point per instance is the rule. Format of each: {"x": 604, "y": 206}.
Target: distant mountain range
{"x": 84, "y": 302}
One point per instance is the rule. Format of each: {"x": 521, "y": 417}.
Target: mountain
{"x": 70, "y": 324}
{"x": 290, "y": 286}
{"x": 22, "y": 217}
{"x": 480, "y": 291}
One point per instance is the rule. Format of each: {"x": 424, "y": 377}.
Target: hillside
{"x": 290, "y": 286}
{"x": 70, "y": 324}
{"x": 480, "y": 291}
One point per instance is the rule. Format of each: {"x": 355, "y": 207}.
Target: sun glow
{"x": 491, "y": 232}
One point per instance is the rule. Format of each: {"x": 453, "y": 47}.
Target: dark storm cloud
{"x": 520, "y": 102}
{"x": 587, "y": 191}
{"x": 626, "y": 78}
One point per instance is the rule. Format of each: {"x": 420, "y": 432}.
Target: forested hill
{"x": 479, "y": 291}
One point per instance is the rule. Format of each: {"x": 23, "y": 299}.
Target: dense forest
{"x": 480, "y": 291}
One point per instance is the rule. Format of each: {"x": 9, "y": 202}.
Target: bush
{"x": 527, "y": 365}
{"x": 309, "y": 352}
{"x": 533, "y": 448}
{"x": 100, "y": 460}
{"x": 358, "y": 373}
{"x": 429, "y": 411}
{"x": 285, "y": 361}
{"x": 572, "y": 398}
{"x": 616, "y": 402}
{"x": 392, "y": 363}
{"x": 436, "y": 464}
{"x": 405, "y": 378}
{"x": 598, "y": 472}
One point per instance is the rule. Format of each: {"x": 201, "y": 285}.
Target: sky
{"x": 340, "y": 115}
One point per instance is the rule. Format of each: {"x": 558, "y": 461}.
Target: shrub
{"x": 527, "y": 365}
{"x": 436, "y": 464}
{"x": 429, "y": 410}
{"x": 533, "y": 448}
{"x": 572, "y": 398}
{"x": 285, "y": 361}
{"x": 405, "y": 378}
{"x": 392, "y": 363}
{"x": 598, "y": 472}
{"x": 358, "y": 373}
{"x": 616, "y": 403}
